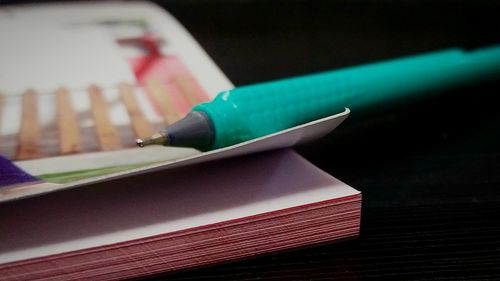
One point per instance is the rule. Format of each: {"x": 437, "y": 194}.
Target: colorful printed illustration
{"x": 72, "y": 105}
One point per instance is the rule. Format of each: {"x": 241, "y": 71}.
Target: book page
{"x": 153, "y": 204}
{"x": 79, "y": 82}
{"x": 47, "y": 56}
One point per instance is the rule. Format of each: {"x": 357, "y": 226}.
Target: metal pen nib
{"x": 158, "y": 138}
{"x": 194, "y": 130}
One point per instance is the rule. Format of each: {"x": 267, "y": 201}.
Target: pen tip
{"x": 139, "y": 142}
{"x": 158, "y": 139}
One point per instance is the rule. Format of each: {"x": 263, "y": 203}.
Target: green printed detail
{"x": 84, "y": 174}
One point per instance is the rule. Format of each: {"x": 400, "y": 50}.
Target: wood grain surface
{"x": 29, "y": 132}
{"x": 106, "y": 133}
{"x": 67, "y": 123}
{"x": 141, "y": 126}
{"x": 164, "y": 100}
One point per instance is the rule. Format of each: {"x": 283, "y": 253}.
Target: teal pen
{"x": 248, "y": 112}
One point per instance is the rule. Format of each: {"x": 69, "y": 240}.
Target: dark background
{"x": 429, "y": 172}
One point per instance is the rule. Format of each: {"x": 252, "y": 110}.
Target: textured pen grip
{"x": 252, "y": 111}
{"x": 248, "y": 112}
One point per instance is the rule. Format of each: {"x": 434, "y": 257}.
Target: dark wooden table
{"x": 429, "y": 172}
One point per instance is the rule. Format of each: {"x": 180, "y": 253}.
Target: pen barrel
{"x": 252, "y": 111}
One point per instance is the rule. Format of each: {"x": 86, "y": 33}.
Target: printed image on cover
{"x": 90, "y": 118}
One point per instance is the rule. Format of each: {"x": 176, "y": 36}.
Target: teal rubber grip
{"x": 248, "y": 112}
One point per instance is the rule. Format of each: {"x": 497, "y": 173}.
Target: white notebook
{"x": 98, "y": 208}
